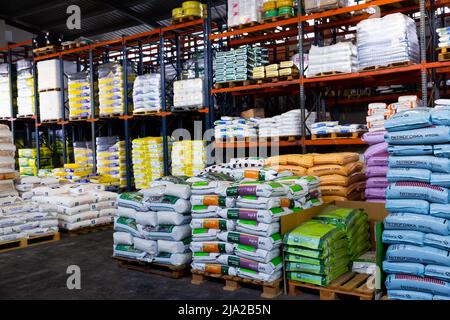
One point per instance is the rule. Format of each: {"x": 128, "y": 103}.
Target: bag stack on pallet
{"x": 188, "y": 94}
{"x": 111, "y": 93}
{"x": 337, "y": 58}
{"x": 153, "y": 226}
{"x": 5, "y": 92}
{"x": 444, "y": 37}
{"x": 417, "y": 227}
{"x": 80, "y": 95}
{"x": 243, "y": 12}
{"x": 77, "y": 205}
{"x": 83, "y": 153}
{"x": 73, "y": 173}
{"x": 318, "y": 6}
{"x": 111, "y": 160}
{"x": 376, "y": 161}
{"x": 238, "y": 64}
{"x": 387, "y": 40}
{"x": 148, "y": 161}
{"x": 25, "y": 184}
{"x": 285, "y": 124}
{"x": 236, "y": 228}
{"x": 188, "y": 157}
{"x": 341, "y": 176}
{"x": 7, "y": 162}
{"x": 232, "y": 127}
{"x": 50, "y": 88}
{"x": 25, "y": 88}
{"x": 147, "y": 93}
{"x": 328, "y": 127}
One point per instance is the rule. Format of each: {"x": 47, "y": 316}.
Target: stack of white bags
{"x": 5, "y": 92}
{"x": 285, "y": 124}
{"x": 234, "y": 127}
{"x": 77, "y": 205}
{"x": 244, "y": 11}
{"x": 147, "y": 93}
{"x": 153, "y": 225}
{"x": 25, "y": 88}
{"x": 340, "y": 57}
{"x": 188, "y": 94}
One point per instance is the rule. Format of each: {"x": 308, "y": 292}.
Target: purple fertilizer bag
{"x": 372, "y": 138}
{"x": 376, "y": 149}
{"x": 377, "y": 182}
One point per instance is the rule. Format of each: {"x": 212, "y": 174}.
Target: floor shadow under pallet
{"x": 77, "y": 232}
{"x": 174, "y": 272}
{"x": 270, "y": 290}
{"x": 29, "y": 242}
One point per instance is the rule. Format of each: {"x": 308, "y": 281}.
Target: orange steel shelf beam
{"x": 256, "y": 86}
{"x": 330, "y": 142}
{"x": 255, "y": 144}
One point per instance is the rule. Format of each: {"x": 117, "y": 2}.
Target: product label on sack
{"x": 199, "y": 208}
{"x": 215, "y": 224}
{"x": 246, "y": 190}
{"x": 163, "y": 229}
{"x": 244, "y": 239}
{"x": 248, "y": 222}
{"x": 216, "y": 269}
{"x": 235, "y": 261}
{"x": 255, "y": 174}
{"x": 242, "y": 214}
{"x": 214, "y": 247}
{"x": 200, "y": 184}
{"x": 214, "y": 201}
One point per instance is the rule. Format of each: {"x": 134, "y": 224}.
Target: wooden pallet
{"x": 277, "y": 18}
{"x": 49, "y": 90}
{"x": 349, "y": 284}
{"x": 236, "y": 140}
{"x": 270, "y": 290}
{"x": 7, "y": 118}
{"x": 169, "y": 271}
{"x": 8, "y": 176}
{"x": 244, "y": 25}
{"x": 73, "y": 45}
{"x": 232, "y": 84}
{"x": 330, "y": 7}
{"x": 112, "y": 115}
{"x": 444, "y": 54}
{"x": 187, "y": 109}
{"x": 46, "y": 50}
{"x": 25, "y": 116}
{"x": 389, "y": 66}
{"x": 50, "y": 121}
{"x": 84, "y": 118}
{"x": 29, "y": 242}
{"x": 184, "y": 19}
{"x": 85, "y": 230}
{"x": 336, "y": 135}
{"x": 327, "y": 74}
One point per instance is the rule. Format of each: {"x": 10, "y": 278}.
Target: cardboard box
{"x": 253, "y": 113}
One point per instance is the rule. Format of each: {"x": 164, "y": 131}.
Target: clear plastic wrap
{"x": 147, "y": 93}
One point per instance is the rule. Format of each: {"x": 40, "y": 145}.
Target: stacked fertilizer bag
{"x": 188, "y": 157}
{"x": 24, "y": 184}
{"x": 7, "y": 162}
{"x": 111, "y": 160}
{"x": 148, "y": 161}
{"x": 147, "y": 93}
{"x": 236, "y": 225}
{"x": 376, "y": 161}
{"x": 76, "y": 205}
{"x": 320, "y": 250}
{"x": 341, "y": 176}
{"x": 152, "y": 225}
{"x": 417, "y": 228}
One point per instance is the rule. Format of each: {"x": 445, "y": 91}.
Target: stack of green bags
{"x": 354, "y": 223}
{"x": 316, "y": 253}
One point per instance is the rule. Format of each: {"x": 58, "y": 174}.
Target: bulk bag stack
{"x": 80, "y": 95}
{"x": 341, "y": 176}
{"x": 147, "y": 93}
{"x": 111, "y": 160}
{"x": 5, "y": 92}
{"x": 148, "y": 161}
{"x": 244, "y": 11}
{"x": 298, "y": 164}
{"x": 7, "y": 162}
{"x": 417, "y": 227}
{"x": 387, "y": 40}
{"x": 376, "y": 160}
{"x": 188, "y": 157}
{"x": 25, "y": 88}
{"x": 153, "y": 225}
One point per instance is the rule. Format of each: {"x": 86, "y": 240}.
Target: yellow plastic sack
{"x": 338, "y": 180}
{"x": 343, "y": 170}
{"x": 335, "y": 158}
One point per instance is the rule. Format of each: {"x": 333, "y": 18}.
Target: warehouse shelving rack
{"x": 170, "y": 45}
{"x": 292, "y": 31}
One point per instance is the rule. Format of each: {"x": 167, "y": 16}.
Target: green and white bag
{"x": 212, "y": 247}
{"x": 263, "y": 216}
{"x": 168, "y": 203}
{"x": 165, "y": 232}
{"x": 260, "y": 255}
{"x": 255, "y": 275}
{"x": 124, "y": 224}
{"x": 214, "y": 268}
{"x": 213, "y": 223}
{"x": 253, "y": 202}
{"x": 202, "y": 211}
{"x": 204, "y": 234}
{"x": 238, "y": 262}
{"x": 257, "y": 228}
{"x": 175, "y": 259}
{"x": 127, "y": 251}
{"x": 181, "y": 246}
{"x": 265, "y": 243}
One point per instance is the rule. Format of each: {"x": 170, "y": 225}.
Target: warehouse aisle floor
{"x": 40, "y": 273}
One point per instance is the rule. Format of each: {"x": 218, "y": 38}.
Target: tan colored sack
{"x": 354, "y": 196}
{"x": 341, "y": 190}
{"x": 338, "y": 180}
{"x": 343, "y": 170}
{"x": 302, "y": 160}
{"x": 296, "y": 170}
{"x": 341, "y": 158}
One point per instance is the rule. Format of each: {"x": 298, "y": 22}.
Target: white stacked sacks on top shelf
{"x": 244, "y": 11}
{"x": 153, "y": 225}
{"x": 110, "y": 85}
{"x": 236, "y": 226}
{"x": 25, "y": 88}
{"x": 147, "y": 93}
{"x": 77, "y": 205}
{"x": 5, "y": 92}
{"x": 417, "y": 227}
{"x": 387, "y": 40}
{"x": 337, "y": 58}
{"x": 50, "y": 88}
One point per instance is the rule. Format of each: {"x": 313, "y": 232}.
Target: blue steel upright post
{"x": 302, "y": 87}
{"x": 36, "y": 110}
{"x": 126, "y": 112}
{"x": 11, "y": 87}
{"x": 92, "y": 100}
{"x": 208, "y": 74}
{"x": 63, "y": 109}
{"x": 163, "y": 104}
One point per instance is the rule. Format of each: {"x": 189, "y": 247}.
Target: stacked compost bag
{"x": 77, "y": 205}
{"x": 341, "y": 176}
{"x": 417, "y": 228}
{"x": 236, "y": 225}
{"x": 153, "y": 225}
{"x": 320, "y": 250}
{"x": 376, "y": 160}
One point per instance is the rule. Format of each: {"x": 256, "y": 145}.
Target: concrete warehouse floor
{"x": 40, "y": 273}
